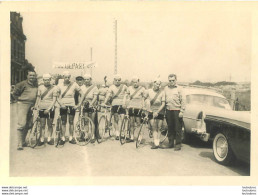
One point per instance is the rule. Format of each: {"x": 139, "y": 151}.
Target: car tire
{"x": 222, "y": 150}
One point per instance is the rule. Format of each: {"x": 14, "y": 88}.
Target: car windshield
{"x": 208, "y": 100}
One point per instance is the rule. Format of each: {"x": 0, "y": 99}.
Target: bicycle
{"x": 34, "y": 133}
{"x": 58, "y": 132}
{"x": 145, "y": 125}
{"x": 104, "y": 124}
{"x": 125, "y": 129}
{"x": 84, "y": 128}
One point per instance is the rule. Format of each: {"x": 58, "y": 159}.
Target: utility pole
{"x": 115, "y": 31}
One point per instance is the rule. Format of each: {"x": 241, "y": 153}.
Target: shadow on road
{"x": 241, "y": 168}
{"x": 238, "y": 166}
{"x": 195, "y": 142}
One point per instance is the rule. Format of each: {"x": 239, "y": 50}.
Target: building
{"x": 19, "y": 64}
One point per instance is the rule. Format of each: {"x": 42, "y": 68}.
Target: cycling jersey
{"x": 47, "y": 100}
{"x": 151, "y": 94}
{"x": 68, "y": 98}
{"x": 91, "y": 91}
{"x": 102, "y": 94}
{"x": 136, "y": 96}
{"x": 118, "y": 99}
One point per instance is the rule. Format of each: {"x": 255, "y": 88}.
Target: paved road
{"x": 111, "y": 159}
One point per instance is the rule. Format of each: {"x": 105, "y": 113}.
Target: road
{"x": 110, "y": 158}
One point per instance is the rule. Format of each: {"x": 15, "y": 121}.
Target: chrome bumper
{"x": 202, "y": 134}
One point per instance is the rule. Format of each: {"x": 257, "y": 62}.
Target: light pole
{"x": 115, "y": 31}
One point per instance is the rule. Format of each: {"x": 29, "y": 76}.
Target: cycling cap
{"x": 79, "y": 78}
{"x": 117, "y": 76}
{"x": 135, "y": 78}
{"x": 66, "y": 73}
{"x": 46, "y": 76}
{"x": 87, "y": 76}
{"x": 157, "y": 80}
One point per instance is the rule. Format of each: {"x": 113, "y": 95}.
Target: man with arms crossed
{"x": 117, "y": 92}
{"x": 175, "y": 107}
{"x": 46, "y": 98}
{"x": 25, "y": 93}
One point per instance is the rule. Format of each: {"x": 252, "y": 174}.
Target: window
{"x": 201, "y": 99}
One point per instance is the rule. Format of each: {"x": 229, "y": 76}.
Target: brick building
{"x": 19, "y": 64}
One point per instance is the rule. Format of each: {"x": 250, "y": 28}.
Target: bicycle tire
{"x": 123, "y": 132}
{"x": 34, "y": 134}
{"x": 102, "y": 128}
{"x": 78, "y": 134}
{"x": 163, "y": 133}
{"x": 58, "y": 133}
{"x": 111, "y": 130}
{"x": 87, "y": 133}
{"x": 139, "y": 137}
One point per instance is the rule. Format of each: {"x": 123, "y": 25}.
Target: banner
{"x": 73, "y": 65}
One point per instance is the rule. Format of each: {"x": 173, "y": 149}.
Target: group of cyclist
{"x": 67, "y": 97}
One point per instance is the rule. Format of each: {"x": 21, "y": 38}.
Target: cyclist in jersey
{"x": 103, "y": 92}
{"x": 155, "y": 104}
{"x": 67, "y": 105}
{"x": 89, "y": 99}
{"x": 46, "y": 98}
{"x": 135, "y": 94}
{"x": 116, "y": 93}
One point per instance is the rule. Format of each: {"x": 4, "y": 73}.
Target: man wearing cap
{"x": 46, "y": 98}
{"x": 67, "y": 105}
{"x": 155, "y": 104}
{"x": 135, "y": 95}
{"x": 25, "y": 93}
{"x": 89, "y": 99}
{"x": 116, "y": 93}
{"x": 80, "y": 82}
{"x": 175, "y": 106}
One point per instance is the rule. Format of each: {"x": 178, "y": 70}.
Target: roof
{"x": 202, "y": 91}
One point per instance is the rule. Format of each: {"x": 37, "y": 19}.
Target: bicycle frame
{"x": 146, "y": 123}
{"x": 84, "y": 134}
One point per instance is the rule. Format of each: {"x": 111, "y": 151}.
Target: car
{"x": 209, "y": 116}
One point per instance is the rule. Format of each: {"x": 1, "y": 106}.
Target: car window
{"x": 207, "y": 100}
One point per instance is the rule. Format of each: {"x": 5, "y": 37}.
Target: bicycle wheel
{"x": 79, "y": 135}
{"x": 123, "y": 131}
{"x": 58, "y": 131}
{"x": 87, "y": 127}
{"x": 163, "y": 132}
{"x": 140, "y": 134}
{"x": 34, "y": 134}
{"x": 111, "y": 129}
{"x": 102, "y": 128}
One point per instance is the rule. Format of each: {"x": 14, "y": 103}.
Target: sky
{"x": 205, "y": 46}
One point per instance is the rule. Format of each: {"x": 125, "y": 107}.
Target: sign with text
{"x": 73, "y": 65}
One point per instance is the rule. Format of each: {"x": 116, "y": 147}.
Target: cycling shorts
{"x": 160, "y": 116}
{"x": 67, "y": 110}
{"x": 135, "y": 112}
{"x": 42, "y": 115}
{"x": 118, "y": 109}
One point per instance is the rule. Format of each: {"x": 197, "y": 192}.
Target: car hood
{"x": 236, "y": 118}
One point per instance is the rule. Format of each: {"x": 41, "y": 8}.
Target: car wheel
{"x": 221, "y": 150}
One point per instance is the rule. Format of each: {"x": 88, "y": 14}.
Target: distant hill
{"x": 208, "y": 84}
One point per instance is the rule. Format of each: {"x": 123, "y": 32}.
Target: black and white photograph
{"x": 150, "y": 91}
